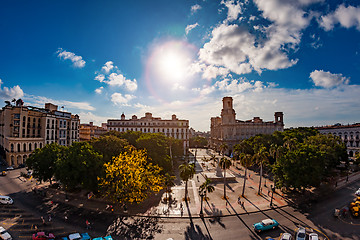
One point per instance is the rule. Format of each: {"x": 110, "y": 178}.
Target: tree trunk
{"x": 260, "y": 177}
{"x": 186, "y": 190}
{"x": 245, "y": 176}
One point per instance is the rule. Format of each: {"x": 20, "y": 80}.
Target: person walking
{"x": 50, "y": 218}
{"x": 87, "y": 224}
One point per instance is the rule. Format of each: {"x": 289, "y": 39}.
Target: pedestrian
{"x": 197, "y": 177}
{"x": 66, "y": 218}
{"x": 182, "y": 211}
{"x": 226, "y": 203}
{"x": 36, "y": 228}
{"x": 242, "y": 205}
{"x": 43, "y": 220}
{"x": 107, "y": 207}
{"x": 50, "y": 218}
{"x": 87, "y": 224}
{"x": 268, "y": 192}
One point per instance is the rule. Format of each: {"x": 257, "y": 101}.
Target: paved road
{"x": 232, "y": 227}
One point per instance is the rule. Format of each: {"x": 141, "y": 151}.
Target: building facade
{"x": 226, "y": 129}
{"x": 25, "y": 128}
{"x": 89, "y": 130}
{"x": 176, "y": 128}
{"x": 349, "y": 134}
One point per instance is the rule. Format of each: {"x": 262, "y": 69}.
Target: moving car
{"x": 301, "y": 234}
{"x": 357, "y": 193}
{"x": 313, "y": 236}
{"x": 4, "y": 234}
{"x": 6, "y": 200}
{"x": 265, "y": 224}
{"x": 43, "y": 236}
{"x": 285, "y": 236}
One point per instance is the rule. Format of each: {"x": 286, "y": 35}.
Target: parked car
{"x": 103, "y": 238}
{"x": 313, "y": 236}
{"x": 357, "y": 193}
{"x": 43, "y": 236}
{"x": 77, "y": 236}
{"x": 285, "y": 236}
{"x": 301, "y": 234}
{"x": 6, "y": 200}
{"x": 265, "y": 224}
{"x": 10, "y": 168}
{"x": 4, "y": 234}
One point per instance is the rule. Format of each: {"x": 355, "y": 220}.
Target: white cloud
{"x": 195, "y": 8}
{"x": 100, "y": 77}
{"x": 119, "y": 99}
{"x": 346, "y": 16}
{"x": 86, "y": 117}
{"x": 10, "y": 93}
{"x": 108, "y": 66}
{"x": 77, "y": 61}
{"x": 327, "y": 79}
{"x": 39, "y": 101}
{"x": 238, "y": 86}
{"x": 117, "y": 79}
{"x": 99, "y": 90}
{"x": 190, "y": 27}
{"x": 234, "y": 9}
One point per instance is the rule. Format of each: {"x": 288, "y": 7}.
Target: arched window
{"x": 12, "y": 147}
{"x": 40, "y": 145}
{"x": 30, "y": 147}
{"x": 24, "y": 147}
{"x": 18, "y": 147}
{"x": 35, "y": 146}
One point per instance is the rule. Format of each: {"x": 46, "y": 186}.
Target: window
{"x": 29, "y": 146}
{"x": 24, "y": 147}
{"x": 12, "y": 147}
{"x": 18, "y": 147}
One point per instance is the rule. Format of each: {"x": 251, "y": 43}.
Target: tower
{"x": 228, "y": 113}
{"x": 279, "y": 117}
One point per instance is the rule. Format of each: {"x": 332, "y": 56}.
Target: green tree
{"x": 225, "y": 163}
{"x": 109, "y": 146}
{"x": 246, "y": 162}
{"x": 206, "y": 187}
{"x": 260, "y": 157}
{"x": 80, "y": 165}
{"x": 156, "y": 145}
{"x": 223, "y": 148}
{"x": 130, "y": 178}
{"x": 198, "y": 141}
{"x": 43, "y": 161}
{"x": 187, "y": 172}
{"x": 169, "y": 182}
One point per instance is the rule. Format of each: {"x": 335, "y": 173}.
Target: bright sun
{"x": 172, "y": 61}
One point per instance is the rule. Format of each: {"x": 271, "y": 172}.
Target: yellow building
{"x": 89, "y": 130}
{"x": 25, "y": 128}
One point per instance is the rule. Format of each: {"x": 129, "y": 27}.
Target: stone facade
{"x": 25, "y": 128}
{"x": 176, "y": 128}
{"x": 349, "y": 134}
{"x": 226, "y": 129}
{"x": 89, "y": 130}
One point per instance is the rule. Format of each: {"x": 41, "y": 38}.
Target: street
{"x": 21, "y": 218}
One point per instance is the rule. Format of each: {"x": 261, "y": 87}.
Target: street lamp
{"x": 202, "y": 195}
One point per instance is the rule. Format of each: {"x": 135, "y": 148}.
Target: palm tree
{"x": 205, "y": 186}
{"x": 187, "y": 172}
{"x": 290, "y": 143}
{"x": 242, "y": 147}
{"x": 260, "y": 157}
{"x": 223, "y": 148}
{"x": 246, "y": 162}
{"x": 169, "y": 182}
{"x": 225, "y": 163}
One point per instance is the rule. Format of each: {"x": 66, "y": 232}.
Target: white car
{"x": 313, "y": 236}
{"x": 357, "y": 193}
{"x": 4, "y": 234}
{"x": 301, "y": 234}
{"x": 285, "y": 236}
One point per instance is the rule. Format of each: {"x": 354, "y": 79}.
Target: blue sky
{"x": 99, "y": 59}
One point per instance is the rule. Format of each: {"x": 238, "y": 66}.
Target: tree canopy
{"x": 130, "y": 177}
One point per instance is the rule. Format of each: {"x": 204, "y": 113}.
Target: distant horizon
{"x": 100, "y": 59}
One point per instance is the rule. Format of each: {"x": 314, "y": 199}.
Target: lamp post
{"x": 202, "y": 195}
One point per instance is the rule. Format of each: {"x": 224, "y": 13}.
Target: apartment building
{"x": 25, "y": 128}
